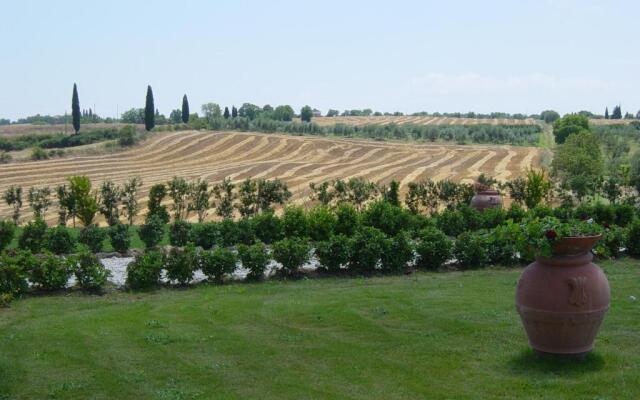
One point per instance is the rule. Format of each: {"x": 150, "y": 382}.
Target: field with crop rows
{"x": 296, "y": 160}
{"x": 418, "y": 120}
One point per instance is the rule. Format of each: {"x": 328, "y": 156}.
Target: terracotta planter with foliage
{"x": 486, "y": 199}
{"x": 563, "y": 299}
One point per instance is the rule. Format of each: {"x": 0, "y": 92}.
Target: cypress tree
{"x": 606, "y": 113}
{"x": 149, "y": 111}
{"x": 234, "y": 112}
{"x": 185, "y": 109}
{"x": 75, "y": 109}
{"x": 226, "y": 113}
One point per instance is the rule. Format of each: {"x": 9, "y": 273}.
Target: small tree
{"x": 185, "y": 109}
{"x": 179, "y": 193}
{"x": 149, "y": 111}
{"x": 110, "y": 196}
{"x": 306, "y": 113}
{"x": 234, "y": 112}
{"x": 130, "y": 198}
{"x": 152, "y": 231}
{"x": 225, "y": 197}
{"x": 248, "y": 196}
{"x": 271, "y": 192}
{"x": 392, "y": 195}
{"x": 39, "y": 200}
{"x": 13, "y": 197}
{"x": 292, "y": 253}
{"x": 226, "y": 113}
{"x": 569, "y": 125}
{"x": 75, "y": 109}
{"x": 199, "y": 198}
{"x": 157, "y": 193}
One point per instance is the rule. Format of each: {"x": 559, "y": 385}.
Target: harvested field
{"x": 25, "y": 129}
{"x": 611, "y": 121}
{"x": 417, "y": 120}
{"x": 296, "y": 160}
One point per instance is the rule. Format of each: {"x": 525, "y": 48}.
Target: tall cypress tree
{"x": 75, "y": 109}
{"x": 226, "y": 113}
{"x": 234, "y": 112}
{"x": 606, "y": 113}
{"x": 149, "y": 111}
{"x": 185, "y": 109}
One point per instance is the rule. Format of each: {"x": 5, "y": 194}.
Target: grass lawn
{"x": 430, "y": 335}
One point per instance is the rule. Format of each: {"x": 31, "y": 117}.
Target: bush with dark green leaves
{"x": 292, "y": 253}
{"x": 433, "y": 248}
{"x": 470, "y": 250}
{"x": 451, "y": 222}
{"x": 120, "y": 237}
{"x": 217, "y": 263}
{"x": 472, "y": 218}
{"x": 59, "y": 240}
{"x": 7, "y": 232}
{"x": 179, "y": 233}
{"x": 294, "y": 222}
{"x": 613, "y": 240}
{"x": 33, "y": 237}
{"x": 93, "y": 237}
{"x": 398, "y": 253}
{"x": 51, "y": 272}
{"x": 15, "y": 269}
{"x": 502, "y": 244}
{"x": 492, "y": 217}
{"x": 386, "y": 217}
{"x": 229, "y": 232}
{"x": 246, "y": 234}
{"x": 541, "y": 212}
{"x": 633, "y": 238}
{"x": 90, "y": 273}
{"x": 144, "y": 272}
{"x": 624, "y": 214}
{"x": 152, "y": 231}
{"x": 367, "y": 247}
{"x": 181, "y": 264}
{"x": 333, "y": 254}
{"x": 205, "y": 235}
{"x": 516, "y": 212}
{"x": 322, "y": 223}
{"x": 267, "y": 227}
{"x": 255, "y": 259}
{"x": 604, "y": 214}
{"x": 348, "y": 220}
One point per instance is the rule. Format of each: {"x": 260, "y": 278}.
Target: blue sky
{"x": 483, "y": 56}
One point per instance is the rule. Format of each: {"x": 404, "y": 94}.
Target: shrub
{"x": 348, "y": 220}
{"x": 472, "y": 217}
{"x": 92, "y": 236}
{"x": 367, "y": 246}
{"x": 333, "y": 253}
{"x": 292, "y": 253}
{"x": 604, "y": 214}
{"x": 388, "y": 218}
{"x": 322, "y": 223}
{"x": 516, "y": 213}
{"x": 470, "y": 250}
{"x": 633, "y": 238}
{"x": 205, "y": 235}
{"x": 246, "y": 234}
{"x": 541, "y": 212}
{"x": 613, "y": 239}
{"x": 152, "y": 231}
{"x": 433, "y": 248}
{"x": 7, "y": 232}
{"x": 33, "y": 236}
{"x": 502, "y": 244}
{"x": 14, "y": 271}
{"x": 5, "y": 298}
{"x": 451, "y": 222}
{"x": 624, "y": 214}
{"x": 563, "y": 213}
{"x": 120, "y": 237}
{"x": 217, "y": 263}
{"x": 398, "y": 253}
{"x": 144, "y": 271}
{"x": 492, "y": 217}
{"x": 228, "y": 232}
{"x": 267, "y": 227}
{"x": 59, "y": 240}
{"x": 89, "y": 271}
{"x": 255, "y": 259}
{"x": 179, "y": 233}
{"x": 51, "y": 272}
{"x": 181, "y": 264}
{"x": 294, "y": 222}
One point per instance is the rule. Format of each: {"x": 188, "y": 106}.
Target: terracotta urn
{"x": 563, "y": 299}
{"x": 487, "y": 198}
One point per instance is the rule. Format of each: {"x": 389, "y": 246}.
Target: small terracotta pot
{"x": 563, "y": 299}
{"x": 486, "y": 199}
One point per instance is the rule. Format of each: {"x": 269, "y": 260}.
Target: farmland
{"x": 296, "y": 160}
{"x": 418, "y": 120}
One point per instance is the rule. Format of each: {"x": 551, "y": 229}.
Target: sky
{"x": 446, "y": 56}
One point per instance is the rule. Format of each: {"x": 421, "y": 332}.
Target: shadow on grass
{"x": 527, "y": 362}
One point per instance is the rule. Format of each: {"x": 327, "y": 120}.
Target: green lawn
{"x": 430, "y": 335}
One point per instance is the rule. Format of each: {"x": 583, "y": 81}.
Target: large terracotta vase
{"x": 562, "y": 299}
{"x": 486, "y": 199}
